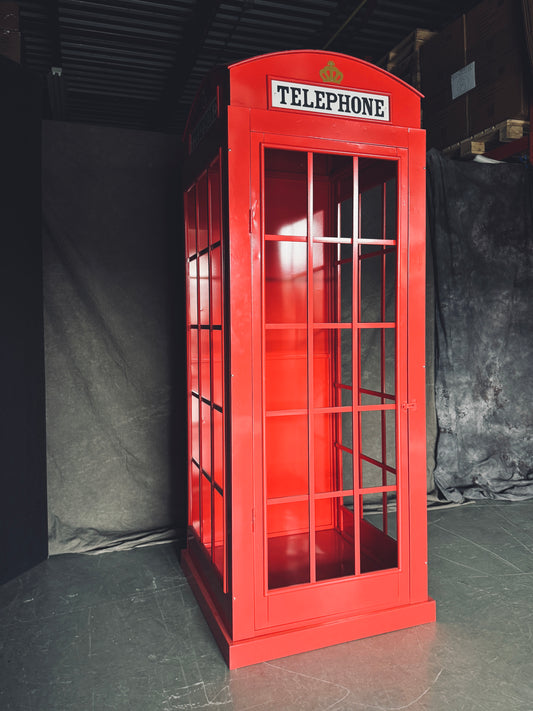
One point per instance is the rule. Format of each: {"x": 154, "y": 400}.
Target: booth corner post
{"x": 305, "y": 256}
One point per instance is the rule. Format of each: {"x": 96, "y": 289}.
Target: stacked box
{"x": 9, "y": 31}
{"x": 404, "y": 60}
{"x": 491, "y": 36}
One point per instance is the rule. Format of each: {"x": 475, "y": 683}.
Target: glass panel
{"x": 371, "y": 435}
{"x": 377, "y": 375}
{"x": 193, "y": 292}
{"x": 193, "y": 358}
{"x": 374, "y": 475}
{"x": 215, "y": 202}
{"x": 194, "y": 520}
{"x": 390, "y": 422}
{"x": 285, "y": 192}
{"x": 218, "y": 527}
{"x": 216, "y": 367}
{"x": 205, "y": 374}
{"x": 205, "y": 486}
{"x": 390, "y": 284}
{"x": 190, "y": 221}
{"x": 216, "y": 286}
{"x": 346, "y": 216}
{"x": 285, "y": 282}
{"x": 345, "y": 287}
{"x": 324, "y": 306}
{"x": 206, "y": 438}
{"x": 328, "y": 462}
{"x": 286, "y": 448}
{"x": 324, "y": 366}
{"x": 391, "y": 196}
{"x": 346, "y": 357}
{"x": 379, "y": 547}
{"x": 334, "y": 548}
{"x": 203, "y": 266}
{"x": 370, "y": 307}
{"x": 347, "y": 470}
{"x": 372, "y": 212}
{"x": 218, "y": 448}
{"x": 195, "y": 428}
{"x": 288, "y": 554}
{"x": 203, "y": 227}
{"x": 332, "y": 184}
{"x": 286, "y": 369}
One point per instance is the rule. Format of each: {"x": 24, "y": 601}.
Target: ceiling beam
{"x": 195, "y": 31}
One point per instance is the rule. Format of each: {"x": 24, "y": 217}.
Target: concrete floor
{"x": 121, "y": 631}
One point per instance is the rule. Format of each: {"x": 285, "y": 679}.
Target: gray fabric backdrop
{"x": 111, "y": 236}
{"x": 481, "y": 227}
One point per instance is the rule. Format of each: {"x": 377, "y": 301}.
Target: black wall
{"x": 23, "y": 518}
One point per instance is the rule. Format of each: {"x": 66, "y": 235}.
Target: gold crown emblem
{"x": 330, "y": 73}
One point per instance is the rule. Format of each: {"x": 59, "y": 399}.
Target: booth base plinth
{"x": 307, "y": 637}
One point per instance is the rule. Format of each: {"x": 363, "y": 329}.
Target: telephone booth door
{"x": 306, "y": 273}
{"x": 331, "y": 342}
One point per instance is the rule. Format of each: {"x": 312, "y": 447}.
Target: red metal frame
{"x": 284, "y": 555}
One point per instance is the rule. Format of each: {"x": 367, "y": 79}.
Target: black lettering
{"x": 344, "y": 103}
{"x": 367, "y": 106}
{"x": 319, "y": 98}
{"x": 295, "y": 93}
{"x": 380, "y": 108}
{"x": 356, "y": 105}
{"x": 306, "y": 103}
{"x": 331, "y": 98}
{"x": 283, "y": 90}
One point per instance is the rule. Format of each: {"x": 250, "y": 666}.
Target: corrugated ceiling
{"x": 138, "y": 63}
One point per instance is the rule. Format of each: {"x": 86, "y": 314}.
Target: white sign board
{"x": 464, "y": 80}
{"x": 329, "y": 100}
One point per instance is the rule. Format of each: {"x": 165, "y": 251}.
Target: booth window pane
{"x": 190, "y": 221}
{"x": 216, "y": 286}
{"x": 206, "y": 513}
{"x": 286, "y": 445}
{"x": 334, "y": 548}
{"x": 379, "y": 545}
{"x": 378, "y": 365}
{"x": 328, "y": 463}
{"x": 288, "y": 554}
{"x": 286, "y": 369}
{"x": 206, "y": 438}
{"x": 205, "y": 371}
{"x": 218, "y": 532}
{"x": 203, "y": 213}
{"x": 285, "y": 201}
{"x": 218, "y": 449}
{"x": 285, "y": 282}
{"x": 215, "y": 202}
{"x": 195, "y": 498}
{"x": 324, "y": 264}
{"x": 193, "y": 292}
{"x": 203, "y": 283}
{"x": 193, "y": 358}
{"x": 195, "y": 428}
{"x": 216, "y": 367}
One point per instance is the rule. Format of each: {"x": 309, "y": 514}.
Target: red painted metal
{"x": 305, "y": 220}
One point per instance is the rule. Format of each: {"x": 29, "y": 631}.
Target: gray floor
{"x": 122, "y": 631}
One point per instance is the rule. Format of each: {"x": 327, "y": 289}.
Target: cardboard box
{"x": 10, "y": 44}
{"x": 9, "y": 16}
{"x": 490, "y": 35}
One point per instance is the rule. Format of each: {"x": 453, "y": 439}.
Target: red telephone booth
{"x": 305, "y": 222}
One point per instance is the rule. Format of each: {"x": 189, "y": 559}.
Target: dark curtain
{"x": 23, "y": 526}
{"x": 481, "y": 230}
{"x": 115, "y": 358}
